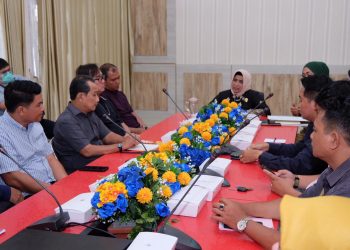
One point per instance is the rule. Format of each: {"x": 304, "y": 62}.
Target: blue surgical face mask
{"x": 8, "y": 77}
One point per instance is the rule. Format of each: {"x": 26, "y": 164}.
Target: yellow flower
{"x": 210, "y": 122}
{"x": 206, "y": 136}
{"x": 155, "y": 174}
{"x": 169, "y": 176}
{"x": 214, "y": 117}
{"x": 233, "y": 105}
{"x": 163, "y": 156}
{"x": 225, "y": 102}
{"x": 152, "y": 171}
{"x": 110, "y": 191}
{"x": 222, "y": 138}
{"x": 185, "y": 141}
{"x": 166, "y": 147}
{"x": 223, "y": 115}
{"x": 232, "y": 130}
{"x": 227, "y": 110}
{"x": 184, "y": 178}
{"x": 166, "y": 191}
{"x": 182, "y": 130}
{"x": 144, "y": 195}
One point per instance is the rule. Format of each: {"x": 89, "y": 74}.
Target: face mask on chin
{"x": 8, "y": 77}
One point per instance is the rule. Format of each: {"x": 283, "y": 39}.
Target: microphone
{"x": 259, "y": 104}
{"x": 172, "y": 100}
{"x": 55, "y": 222}
{"x": 130, "y": 134}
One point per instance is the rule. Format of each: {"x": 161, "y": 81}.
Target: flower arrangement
{"x": 139, "y": 191}
{"x": 214, "y": 125}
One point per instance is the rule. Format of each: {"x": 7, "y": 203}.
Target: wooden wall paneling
{"x": 149, "y": 24}
{"x": 146, "y": 91}
{"x": 204, "y": 86}
{"x": 285, "y": 88}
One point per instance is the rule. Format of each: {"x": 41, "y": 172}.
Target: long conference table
{"x": 202, "y": 228}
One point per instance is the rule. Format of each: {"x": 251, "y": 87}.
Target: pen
{"x": 274, "y": 139}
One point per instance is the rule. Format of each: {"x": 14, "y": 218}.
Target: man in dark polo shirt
{"x": 297, "y": 157}
{"x": 119, "y": 100}
{"x": 80, "y": 136}
{"x": 330, "y": 142}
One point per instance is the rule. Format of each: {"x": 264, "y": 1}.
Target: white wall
{"x": 262, "y": 32}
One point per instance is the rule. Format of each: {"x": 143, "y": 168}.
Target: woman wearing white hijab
{"x": 242, "y": 93}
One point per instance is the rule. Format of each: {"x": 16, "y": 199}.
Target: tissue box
{"x": 79, "y": 208}
{"x": 153, "y": 241}
{"x": 211, "y": 183}
{"x": 219, "y": 165}
{"x": 192, "y": 204}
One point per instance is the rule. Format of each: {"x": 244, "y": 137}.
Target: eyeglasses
{"x": 98, "y": 78}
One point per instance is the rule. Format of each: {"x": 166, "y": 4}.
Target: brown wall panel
{"x": 149, "y": 25}
{"x": 146, "y": 91}
{"x": 204, "y": 86}
{"x": 284, "y": 87}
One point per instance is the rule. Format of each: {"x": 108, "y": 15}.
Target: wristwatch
{"x": 120, "y": 147}
{"x": 296, "y": 182}
{"x": 242, "y": 224}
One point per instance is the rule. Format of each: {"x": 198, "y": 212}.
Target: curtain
{"x": 12, "y": 14}
{"x": 77, "y": 32}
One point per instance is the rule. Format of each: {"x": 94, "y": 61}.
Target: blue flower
{"x": 95, "y": 199}
{"x": 162, "y": 209}
{"x": 183, "y": 150}
{"x": 206, "y": 144}
{"x": 215, "y": 141}
{"x": 185, "y": 168}
{"x": 107, "y": 210}
{"x": 239, "y": 119}
{"x": 129, "y": 172}
{"x": 224, "y": 128}
{"x": 133, "y": 186}
{"x": 122, "y": 203}
{"x": 174, "y": 186}
{"x": 188, "y": 135}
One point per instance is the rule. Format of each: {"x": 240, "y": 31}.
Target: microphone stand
{"x": 127, "y": 132}
{"x": 259, "y": 104}
{"x": 173, "y": 101}
{"x": 55, "y": 222}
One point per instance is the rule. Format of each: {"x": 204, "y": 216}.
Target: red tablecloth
{"x": 202, "y": 228}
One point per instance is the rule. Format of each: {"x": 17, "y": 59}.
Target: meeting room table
{"x": 202, "y": 228}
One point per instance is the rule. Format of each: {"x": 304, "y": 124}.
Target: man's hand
{"x": 260, "y": 146}
{"x": 228, "y": 212}
{"x": 129, "y": 141}
{"x": 16, "y": 196}
{"x": 250, "y": 155}
{"x": 285, "y": 174}
{"x": 281, "y": 185}
{"x": 295, "y": 109}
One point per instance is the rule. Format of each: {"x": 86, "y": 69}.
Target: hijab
{"x": 318, "y": 68}
{"x": 246, "y": 82}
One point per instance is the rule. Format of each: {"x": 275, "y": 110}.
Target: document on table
{"x": 275, "y": 140}
{"x": 140, "y": 148}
